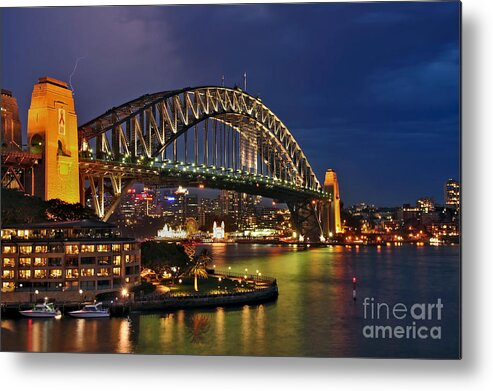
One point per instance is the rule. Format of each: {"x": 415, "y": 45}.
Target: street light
{"x": 80, "y": 293}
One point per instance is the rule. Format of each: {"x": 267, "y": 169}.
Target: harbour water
{"x": 314, "y": 315}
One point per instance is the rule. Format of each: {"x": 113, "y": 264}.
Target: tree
{"x": 160, "y": 256}
{"x": 198, "y": 270}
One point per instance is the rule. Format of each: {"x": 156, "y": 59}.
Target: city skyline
{"x": 402, "y": 110}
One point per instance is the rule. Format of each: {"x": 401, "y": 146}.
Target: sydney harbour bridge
{"x": 213, "y": 137}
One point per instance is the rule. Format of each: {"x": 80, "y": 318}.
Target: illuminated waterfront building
{"x": 452, "y": 194}
{"x": 218, "y": 232}
{"x": 63, "y": 258}
{"x": 11, "y": 125}
{"x": 168, "y": 232}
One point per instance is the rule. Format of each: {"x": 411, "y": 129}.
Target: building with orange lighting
{"x": 66, "y": 260}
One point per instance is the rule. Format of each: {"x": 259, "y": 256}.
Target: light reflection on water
{"x": 313, "y": 316}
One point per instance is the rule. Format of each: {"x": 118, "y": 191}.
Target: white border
{"x": 125, "y": 372}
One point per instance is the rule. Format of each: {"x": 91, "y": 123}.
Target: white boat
{"x": 91, "y": 311}
{"x": 45, "y": 310}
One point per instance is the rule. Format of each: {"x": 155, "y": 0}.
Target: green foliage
{"x": 107, "y": 296}
{"x": 160, "y": 256}
{"x": 143, "y": 289}
{"x": 18, "y": 208}
{"x": 58, "y": 210}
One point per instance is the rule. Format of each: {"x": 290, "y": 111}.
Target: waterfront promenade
{"x": 250, "y": 289}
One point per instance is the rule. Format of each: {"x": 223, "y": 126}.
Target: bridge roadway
{"x": 173, "y": 174}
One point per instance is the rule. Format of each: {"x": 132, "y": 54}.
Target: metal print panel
{"x": 263, "y": 180}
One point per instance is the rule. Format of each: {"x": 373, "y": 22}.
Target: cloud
{"x": 427, "y": 86}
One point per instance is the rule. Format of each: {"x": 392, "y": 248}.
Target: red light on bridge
{"x": 354, "y": 280}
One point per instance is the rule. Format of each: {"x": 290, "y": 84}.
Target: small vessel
{"x": 45, "y": 310}
{"x": 91, "y": 311}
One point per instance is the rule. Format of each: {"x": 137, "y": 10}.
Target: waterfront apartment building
{"x": 67, "y": 259}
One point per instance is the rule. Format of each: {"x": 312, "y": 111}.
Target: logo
{"x": 401, "y": 321}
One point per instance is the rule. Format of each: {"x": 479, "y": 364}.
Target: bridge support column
{"x": 103, "y": 187}
{"x": 306, "y": 219}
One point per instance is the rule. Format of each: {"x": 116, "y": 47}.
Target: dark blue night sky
{"x": 370, "y": 89}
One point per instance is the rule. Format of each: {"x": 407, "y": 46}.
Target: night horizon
{"x": 384, "y": 107}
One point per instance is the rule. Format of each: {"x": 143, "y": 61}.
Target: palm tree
{"x": 198, "y": 270}
{"x": 204, "y": 257}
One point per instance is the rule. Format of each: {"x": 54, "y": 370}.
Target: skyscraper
{"x": 452, "y": 194}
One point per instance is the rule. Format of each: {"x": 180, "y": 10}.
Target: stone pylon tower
{"x": 11, "y": 125}
{"x": 52, "y": 131}
{"x": 331, "y": 218}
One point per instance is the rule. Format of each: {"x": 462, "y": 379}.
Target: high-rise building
{"x": 452, "y": 194}
{"x": 179, "y": 206}
{"x": 331, "y": 220}
{"x": 208, "y": 210}
{"x": 425, "y": 204}
{"x": 11, "y": 125}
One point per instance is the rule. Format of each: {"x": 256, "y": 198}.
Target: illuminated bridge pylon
{"x": 217, "y": 137}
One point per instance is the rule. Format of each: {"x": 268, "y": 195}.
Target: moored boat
{"x": 45, "y": 310}
{"x": 91, "y": 311}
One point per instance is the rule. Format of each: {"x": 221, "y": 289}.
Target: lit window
{"x": 8, "y": 262}
{"x": 72, "y": 249}
{"x": 25, "y": 249}
{"x": 40, "y": 249}
{"x": 39, "y": 261}
{"x": 102, "y": 248}
{"x": 24, "y": 274}
{"x": 87, "y": 248}
{"x": 56, "y": 273}
{"x": 104, "y": 272}
{"x": 8, "y": 274}
{"x": 117, "y": 259}
{"x": 72, "y": 273}
{"x": 116, "y": 271}
{"x": 24, "y": 262}
{"x": 87, "y": 272}
{"x": 116, "y": 247}
{"x": 8, "y": 286}
{"x": 9, "y": 249}
{"x": 40, "y": 274}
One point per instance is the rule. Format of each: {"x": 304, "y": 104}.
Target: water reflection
{"x": 313, "y": 316}
{"x": 197, "y": 327}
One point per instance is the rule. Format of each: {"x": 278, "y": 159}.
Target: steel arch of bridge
{"x": 236, "y": 141}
